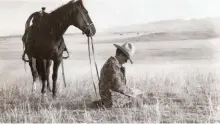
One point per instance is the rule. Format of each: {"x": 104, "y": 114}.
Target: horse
{"x": 32, "y": 62}
{"x": 42, "y": 43}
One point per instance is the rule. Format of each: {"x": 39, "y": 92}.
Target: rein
{"x": 63, "y": 73}
{"x": 87, "y": 27}
{"x": 97, "y": 72}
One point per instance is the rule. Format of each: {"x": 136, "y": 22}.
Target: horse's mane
{"x": 67, "y": 5}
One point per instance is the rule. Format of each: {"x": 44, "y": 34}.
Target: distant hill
{"x": 179, "y": 25}
{"x": 173, "y": 29}
{"x": 168, "y": 36}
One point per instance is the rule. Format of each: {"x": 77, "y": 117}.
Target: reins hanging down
{"x": 91, "y": 64}
{"x": 63, "y": 72}
{"x": 93, "y": 51}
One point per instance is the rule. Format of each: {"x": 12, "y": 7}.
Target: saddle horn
{"x": 43, "y": 8}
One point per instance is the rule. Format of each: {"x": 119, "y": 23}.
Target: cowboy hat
{"x": 128, "y": 49}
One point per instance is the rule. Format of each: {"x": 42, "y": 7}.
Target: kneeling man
{"x": 113, "y": 77}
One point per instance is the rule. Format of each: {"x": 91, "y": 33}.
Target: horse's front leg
{"x": 48, "y": 64}
{"x": 32, "y": 64}
{"x": 41, "y": 66}
{"x": 56, "y": 65}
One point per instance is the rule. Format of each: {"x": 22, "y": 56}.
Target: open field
{"x": 179, "y": 79}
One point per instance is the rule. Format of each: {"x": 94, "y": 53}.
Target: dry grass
{"x": 187, "y": 95}
{"x": 171, "y": 94}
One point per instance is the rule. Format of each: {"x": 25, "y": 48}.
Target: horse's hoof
{"x": 49, "y": 89}
{"x": 43, "y": 98}
{"x": 34, "y": 87}
{"x": 54, "y": 97}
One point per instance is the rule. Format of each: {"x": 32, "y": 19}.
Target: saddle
{"x": 37, "y": 18}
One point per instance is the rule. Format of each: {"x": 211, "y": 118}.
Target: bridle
{"x": 88, "y": 25}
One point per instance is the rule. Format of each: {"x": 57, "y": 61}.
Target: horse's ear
{"x": 79, "y": 1}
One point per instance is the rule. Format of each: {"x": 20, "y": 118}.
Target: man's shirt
{"x": 113, "y": 78}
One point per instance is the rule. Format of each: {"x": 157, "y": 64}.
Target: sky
{"x": 107, "y": 14}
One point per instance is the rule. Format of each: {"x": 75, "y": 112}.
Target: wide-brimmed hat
{"x": 128, "y": 49}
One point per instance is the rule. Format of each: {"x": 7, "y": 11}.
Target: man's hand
{"x": 136, "y": 92}
{"x": 132, "y": 92}
{"x": 123, "y": 72}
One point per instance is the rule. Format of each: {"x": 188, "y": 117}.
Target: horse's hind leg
{"x": 32, "y": 64}
{"x": 44, "y": 76}
{"x": 48, "y": 64}
{"x": 41, "y": 67}
{"x": 55, "y": 74}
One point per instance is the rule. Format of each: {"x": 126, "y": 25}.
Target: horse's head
{"x": 83, "y": 20}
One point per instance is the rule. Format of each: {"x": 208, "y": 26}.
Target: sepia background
{"x": 176, "y": 63}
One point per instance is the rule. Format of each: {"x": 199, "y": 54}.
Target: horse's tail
{"x": 24, "y": 37}
{"x": 27, "y": 24}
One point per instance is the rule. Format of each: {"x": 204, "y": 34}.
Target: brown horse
{"x": 43, "y": 43}
{"x": 35, "y": 17}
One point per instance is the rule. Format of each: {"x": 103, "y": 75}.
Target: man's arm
{"x": 117, "y": 84}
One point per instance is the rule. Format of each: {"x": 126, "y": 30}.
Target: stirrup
{"x": 66, "y": 57}
{"x": 23, "y": 58}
